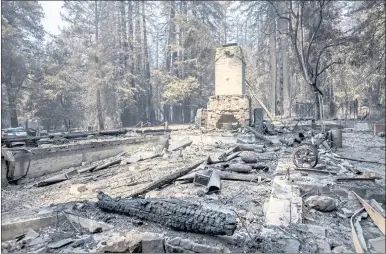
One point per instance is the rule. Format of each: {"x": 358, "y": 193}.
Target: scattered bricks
{"x": 155, "y": 245}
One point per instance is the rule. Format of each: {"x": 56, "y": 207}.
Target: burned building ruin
{"x": 230, "y": 107}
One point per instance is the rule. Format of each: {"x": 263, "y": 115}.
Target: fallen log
{"x": 137, "y": 158}
{"x": 232, "y": 156}
{"x": 249, "y": 157}
{"x": 180, "y": 145}
{"x": 113, "y": 132}
{"x": 173, "y": 213}
{"x": 88, "y": 169}
{"x": 258, "y": 135}
{"x": 210, "y": 161}
{"x": 224, "y": 155}
{"x": 106, "y": 165}
{"x": 260, "y": 167}
{"x": 239, "y": 168}
{"x": 167, "y": 179}
{"x": 251, "y": 147}
{"x": 224, "y": 176}
{"x": 57, "y": 178}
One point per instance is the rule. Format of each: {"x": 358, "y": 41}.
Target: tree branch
{"x": 316, "y": 30}
{"x": 277, "y": 12}
{"x": 327, "y": 66}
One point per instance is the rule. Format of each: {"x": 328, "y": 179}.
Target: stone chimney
{"x": 229, "y": 71}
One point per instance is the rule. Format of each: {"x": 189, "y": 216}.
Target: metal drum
{"x": 336, "y": 135}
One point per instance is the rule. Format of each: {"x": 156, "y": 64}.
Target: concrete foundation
{"x": 285, "y": 204}
{"x": 55, "y": 158}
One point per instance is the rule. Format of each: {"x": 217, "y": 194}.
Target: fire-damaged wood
{"x": 57, "y": 178}
{"x": 180, "y": 145}
{"x": 106, "y": 165}
{"x": 230, "y": 176}
{"x": 374, "y": 215}
{"x": 232, "y": 156}
{"x": 240, "y": 168}
{"x": 167, "y": 179}
{"x": 210, "y": 161}
{"x": 224, "y": 155}
{"x": 173, "y": 213}
{"x": 360, "y": 160}
{"x": 251, "y": 147}
{"x": 258, "y": 135}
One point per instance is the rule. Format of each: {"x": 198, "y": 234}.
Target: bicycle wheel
{"x": 305, "y": 156}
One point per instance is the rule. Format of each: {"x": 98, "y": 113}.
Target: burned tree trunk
{"x": 174, "y": 213}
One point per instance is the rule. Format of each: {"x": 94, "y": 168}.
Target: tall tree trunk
{"x": 273, "y": 63}
{"x": 99, "y": 104}
{"x": 284, "y": 50}
{"x": 124, "y": 36}
{"x": 149, "y": 99}
{"x": 131, "y": 41}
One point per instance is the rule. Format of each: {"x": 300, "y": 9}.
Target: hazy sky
{"x": 52, "y": 17}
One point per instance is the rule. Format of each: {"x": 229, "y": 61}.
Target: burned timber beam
{"x": 173, "y": 213}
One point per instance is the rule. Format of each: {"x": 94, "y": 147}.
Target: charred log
{"x": 173, "y": 213}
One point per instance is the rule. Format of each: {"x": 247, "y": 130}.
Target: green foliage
{"x": 178, "y": 90}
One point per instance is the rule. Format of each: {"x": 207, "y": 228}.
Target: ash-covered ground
{"x": 77, "y": 196}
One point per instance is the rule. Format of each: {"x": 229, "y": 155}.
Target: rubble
{"x": 321, "y": 203}
{"x": 161, "y": 177}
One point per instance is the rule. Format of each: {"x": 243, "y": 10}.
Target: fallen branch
{"x": 57, "y": 178}
{"x": 224, "y": 176}
{"x": 360, "y": 160}
{"x": 315, "y": 171}
{"x": 106, "y": 165}
{"x": 224, "y": 155}
{"x": 167, "y": 179}
{"x": 259, "y": 101}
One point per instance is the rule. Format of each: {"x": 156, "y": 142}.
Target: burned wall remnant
{"x": 233, "y": 109}
{"x": 230, "y": 105}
